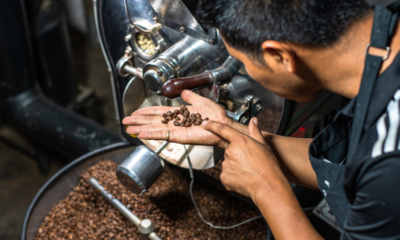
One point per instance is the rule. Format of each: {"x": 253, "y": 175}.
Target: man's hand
{"x": 146, "y": 122}
{"x": 248, "y": 159}
{"x": 251, "y": 169}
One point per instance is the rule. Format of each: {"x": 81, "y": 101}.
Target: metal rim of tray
{"x": 60, "y": 173}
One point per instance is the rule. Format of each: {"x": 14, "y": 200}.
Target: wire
{"x": 127, "y": 12}
{"x": 197, "y": 208}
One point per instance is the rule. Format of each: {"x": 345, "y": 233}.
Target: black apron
{"x": 336, "y": 144}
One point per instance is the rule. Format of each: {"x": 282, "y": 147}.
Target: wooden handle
{"x": 174, "y": 87}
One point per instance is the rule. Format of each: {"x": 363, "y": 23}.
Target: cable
{"x": 127, "y": 13}
{"x": 197, "y": 208}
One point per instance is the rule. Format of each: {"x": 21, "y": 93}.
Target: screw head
{"x": 155, "y": 19}
{"x": 128, "y": 53}
{"x": 211, "y": 41}
{"x": 182, "y": 29}
{"x": 258, "y": 107}
{"x": 246, "y": 103}
{"x": 160, "y": 73}
{"x": 128, "y": 37}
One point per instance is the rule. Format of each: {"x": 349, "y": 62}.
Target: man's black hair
{"x": 246, "y": 24}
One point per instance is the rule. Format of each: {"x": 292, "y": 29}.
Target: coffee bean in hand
{"x": 188, "y": 119}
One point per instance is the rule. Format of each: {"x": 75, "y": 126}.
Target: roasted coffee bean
{"x": 196, "y": 123}
{"x": 183, "y": 107}
{"x": 188, "y": 124}
{"x": 192, "y": 120}
{"x": 169, "y": 113}
{"x": 165, "y": 121}
{"x": 187, "y": 112}
{"x": 170, "y": 118}
{"x": 206, "y": 119}
{"x": 164, "y": 115}
{"x": 177, "y": 118}
{"x": 200, "y": 119}
{"x": 192, "y": 115}
{"x": 198, "y": 115}
{"x": 176, "y": 112}
{"x": 85, "y": 214}
{"x": 176, "y": 123}
{"x": 182, "y": 124}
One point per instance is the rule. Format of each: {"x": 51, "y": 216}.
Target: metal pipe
{"x": 160, "y": 148}
{"x": 154, "y": 236}
{"x": 116, "y": 203}
{"x": 145, "y": 227}
{"x": 137, "y": 72}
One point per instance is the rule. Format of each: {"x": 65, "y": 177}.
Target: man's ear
{"x": 277, "y": 55}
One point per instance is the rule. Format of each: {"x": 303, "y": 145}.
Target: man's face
{"x": 279, "y": 75}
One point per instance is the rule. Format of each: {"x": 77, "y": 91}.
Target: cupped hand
{"x": 146, "y": 122}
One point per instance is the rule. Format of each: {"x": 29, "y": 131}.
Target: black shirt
{"x": 372, "y": 177}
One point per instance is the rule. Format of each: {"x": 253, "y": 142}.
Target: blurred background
{"x": 73, "y": 74}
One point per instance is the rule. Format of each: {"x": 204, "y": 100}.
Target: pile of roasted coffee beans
{"x": 188, "y": 119}
{"x": 85, "y": 214}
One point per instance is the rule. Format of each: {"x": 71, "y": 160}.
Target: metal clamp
{"x": 384, "y": 57}
{"x": 146, "y": 27}
{"x": 124, "y": 65}
{"x": 251, "y": 106}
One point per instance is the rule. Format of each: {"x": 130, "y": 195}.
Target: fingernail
{"x": 255, "y": 121}
{"x": 204, "y": 123}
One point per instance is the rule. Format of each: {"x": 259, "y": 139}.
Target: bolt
{"x": 182, "y": 29}
{"x": 128, "y": 53}
{"x": 246, "y": 103}
{"x": 211, "y": 41}
{"x": 244, "y": 120}
{"x": 160, "y": 73}
{"x": 258, "y": 107}
{"x": 128, "y": 37}
{"x": 155, "y": 19}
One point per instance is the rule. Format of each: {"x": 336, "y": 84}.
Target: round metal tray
{"x": 63, "y": 182}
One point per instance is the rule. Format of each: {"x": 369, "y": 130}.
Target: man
{"x": 296, "y": 49}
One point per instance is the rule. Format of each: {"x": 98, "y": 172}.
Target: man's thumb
{"x": 255, "y": 131}
{"x": 190, "y": 97}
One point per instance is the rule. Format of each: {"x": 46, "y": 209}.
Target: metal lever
{"x": 145, "y": 227}
{"x": 224, "y": 74}
{"x": 174, "y": 87}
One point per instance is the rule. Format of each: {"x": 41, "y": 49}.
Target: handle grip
{"x": 174, "y": 87}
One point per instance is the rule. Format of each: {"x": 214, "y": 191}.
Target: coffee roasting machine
{"x": 154, "y": 50}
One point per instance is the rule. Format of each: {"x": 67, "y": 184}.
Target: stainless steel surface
{"x": 133, "y": 96}
{"x": 186, "y": 58}
{"x": 146, "y": 226}
{"x": 175, "y": 15}
{"x": 116, "y": 203}
{"x": 154, "y": 236}
{"x": 226, "y": 72}
{"x": 147, "y": 27}
{"x": 126, "y": 60}
{"x": 136, "y": 72}
{"x": 160, "y": 148}
{"x": 140, "y": 169}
